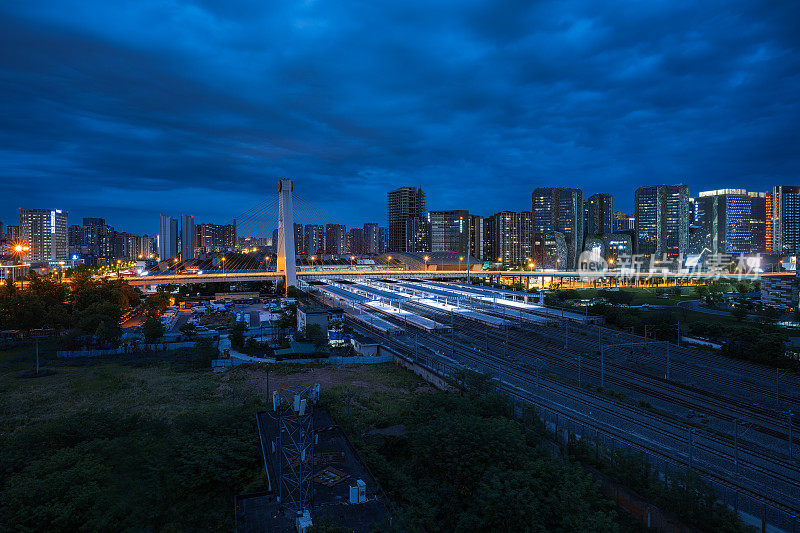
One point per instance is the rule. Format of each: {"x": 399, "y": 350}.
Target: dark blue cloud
{"x": 127, "y": 110}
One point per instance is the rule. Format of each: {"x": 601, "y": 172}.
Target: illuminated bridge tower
{"x": 286, "y": 260}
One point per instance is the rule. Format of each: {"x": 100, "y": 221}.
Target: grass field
{"x": 154, "y": 445}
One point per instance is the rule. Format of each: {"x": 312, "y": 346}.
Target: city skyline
{"x": 484, "y": 109}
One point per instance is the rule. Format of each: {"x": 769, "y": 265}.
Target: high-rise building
{"x": 12, "y": 233}
{"x": 188, "y": 237}
{"x": 560, "y": 209}
{"x": 314, "y": 239}
{"x": 785, "y": 219}
{"x": 167, "y": 237}
{"x": 662, "y": 219}
{"x": 509, "y": 235}
{"x": 758, "y": 222}
{"x": 724, "y": 218}
{"x": 449, "y": 231}
{"x": 126, "y": 246}
{"x": 335, "y": 239}
{"x": 404, "y": 204}
{"x": 356, "y": 241}
{"x": 599, "y": 218}
{"x": 146, "y": 248}
{"x": 98, "y": 237}
{"x": 300, "y": 246}
{"x": 45, "y": 231}
{"x": 418, "y": 235}
{"x": 215, "y": 237}
{"x": 371, "y": 239}
{"x": 623, "y": 222}
{"x": 383, "y": 239}
{"x": 477, "y": 237}
{"x": 769, "y": 231}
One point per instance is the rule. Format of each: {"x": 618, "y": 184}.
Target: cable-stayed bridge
{"x": 284, "y": 218}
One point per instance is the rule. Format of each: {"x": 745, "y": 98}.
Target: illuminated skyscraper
{"x": 188, "y": 234}
{"x": 167, "y": 237}
{"x": 662, "y": 219}
{"x": 449, "y": 231}
{"x": 509, "y": 237}
{"x": 725, "y": 219}
{"x": 559, "y": 209}
{"x": 45, "y": 231}
{"x": 785, "y": 219}
{"x": 404, "y": 205}
{"x": 599, "y": 218}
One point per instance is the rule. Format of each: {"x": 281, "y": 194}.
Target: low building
{"x": 779, "y": 292}
{"x": 319, "y": 315}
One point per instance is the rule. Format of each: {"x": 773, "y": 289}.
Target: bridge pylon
{"x": 287, "y": 264}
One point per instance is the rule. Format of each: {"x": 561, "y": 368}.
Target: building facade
{"x": 404, "y": 205}
{"x": 336, "y": 239}
{"x": 188, "y": 237}
{"x": 45, "y": 231}
{"x": 662, "y": 220}
{"x": 450, "y": 231}
{"x": 167, "y": 237}
{"x": 510, "y": 237}
{"x": 559, "y": 209}
{"x": 599, "y": 214}
{"x": 785, "y": 219}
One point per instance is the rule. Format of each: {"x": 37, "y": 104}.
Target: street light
{"x": 352, "y": 259}
{"x": 222, "y": 263}
{"x": 426, "y": 262}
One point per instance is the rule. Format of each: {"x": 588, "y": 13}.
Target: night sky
{"x": 127, "y": 109}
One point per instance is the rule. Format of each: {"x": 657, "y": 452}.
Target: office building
{"x": 167, "y": 237}
{"x": 724, "y": 218}
{"x": 785, "y": 219}
{"x": 623, "y": 222}
{"x": 758, "y": 222}
{"x": 662, "y": 220}
{"x": 449, "y": 231}
{"x": 336, "y": 239}
{"x": 599, "y": 214}
{"x": 559, "y": 209}
{"x": 550, "y": 250}
{"x": 403, "y": 205}
{"x": 314, "y": 239}
{"x": 45, "y": 231}
{"x": 188, "y": 237}
{"x": 510, "y": 238}
{"x": 768, "y": 231}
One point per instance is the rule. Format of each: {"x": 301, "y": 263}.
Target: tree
{"x": 739, "y": 312}
{"x": 236, "y": 334}
{"x": 108, "y": 333}
{"x": 188, "y": 329}
{"x": 313, "y": 333}
{"x": 152, "y": 329}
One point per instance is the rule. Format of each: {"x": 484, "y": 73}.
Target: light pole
{"x": 352, "y": 259}
{"x": 20, "y": 249}
{"x": 426, "y": 263}
{"x": 222, "y": 263}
